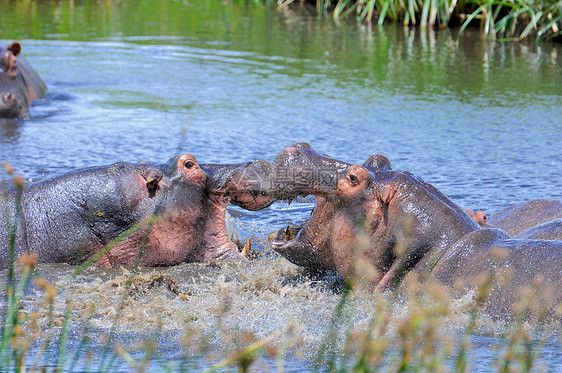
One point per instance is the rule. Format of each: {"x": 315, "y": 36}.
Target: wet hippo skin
{"x": 19, "y": 83}
{"x": 179, "y": 208}
{"x": 523, "y": 216}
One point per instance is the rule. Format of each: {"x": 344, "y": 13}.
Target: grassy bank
{"x": 503, "y": 19}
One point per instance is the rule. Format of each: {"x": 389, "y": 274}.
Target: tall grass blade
{"x": 83, "y": 342}
{"x": 383, "y": 12}
{"x": 63, "y": 340}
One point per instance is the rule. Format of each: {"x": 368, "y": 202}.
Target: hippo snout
{"x": 8, "y": 97}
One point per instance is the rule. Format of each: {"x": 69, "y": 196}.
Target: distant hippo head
{"x": 147, "y": 214}
{"x": 19, "y": 83}
{"x": 526, "y": 215}
{"x": 386, "y": 220}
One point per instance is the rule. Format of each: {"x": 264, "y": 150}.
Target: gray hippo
{"x": 518, "y": 264}
{"x": 150, "y": 214}
{"x": 389, "y": 217}
{"x": 526, "y": 215}
{"x": 387, "y": 225}
{"x": 550, "y": 230}
{"x": 537, "y": 219}
{"x": 19, "y": 83}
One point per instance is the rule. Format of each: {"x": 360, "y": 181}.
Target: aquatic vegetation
{"x": 500, "y": 18}
{"x": 519, "y": 18}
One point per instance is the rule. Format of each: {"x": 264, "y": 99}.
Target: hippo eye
{"x": 353, "y": 179}
{"x": 189, "y": 164}
{"x": 485, "y": 218}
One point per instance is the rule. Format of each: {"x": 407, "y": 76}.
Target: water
{"x": 144, "y": 81}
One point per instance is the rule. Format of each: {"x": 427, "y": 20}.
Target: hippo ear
{"x": 152, "y": 184}
{"x": 387, "y": 194}
{"x": 15, "y": 48}
{"x": 152, "y": 180}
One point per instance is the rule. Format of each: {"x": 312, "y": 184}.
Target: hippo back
{"x": 550, "y": 230}
{"x": 84, "y": 208}
{"x": 523, "y": 216}
{"x": 517, "y": 264}
{"x": 12, "y": 228}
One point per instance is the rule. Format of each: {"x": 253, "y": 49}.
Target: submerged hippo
{"x": 19, "y": 83}
{"x": 523, "y": 216}
{"x": 528, "y": 220}
{"x": 517, "y": 263}
{"x": 550, "y": 230}
{"x": 162, "y": 214}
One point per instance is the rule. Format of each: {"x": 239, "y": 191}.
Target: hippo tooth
{"x": 247, "y": 247}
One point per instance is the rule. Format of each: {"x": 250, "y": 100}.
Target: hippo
{"x": 525, "y": 263}
{"x": 150, "y": 214}
{"x": 550, "y": 230}
{"x": 19, "y": 83}
{"x": 515, "y": 218}
{"x": 391, "y": 224}
{"x": 390, "y": 216}
{"x": 523, "y": 216}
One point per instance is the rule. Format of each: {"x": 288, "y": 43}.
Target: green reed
{"x": 503, "y": 19}
{"x": 518, "y": 19}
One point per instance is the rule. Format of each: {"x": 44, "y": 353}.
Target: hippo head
{"x": 19, "y": 83}
{"x": 386, "y": 221}
{"x": 194, "y": 213}
{"x": 480, "y": 217}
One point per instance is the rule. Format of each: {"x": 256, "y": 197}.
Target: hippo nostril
{"x": 8, "y": 97}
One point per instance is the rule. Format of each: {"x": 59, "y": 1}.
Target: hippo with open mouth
{"x": 19, "y": 83}
{"x": 386, "y": 225}
{"x": 144, "y": 214}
